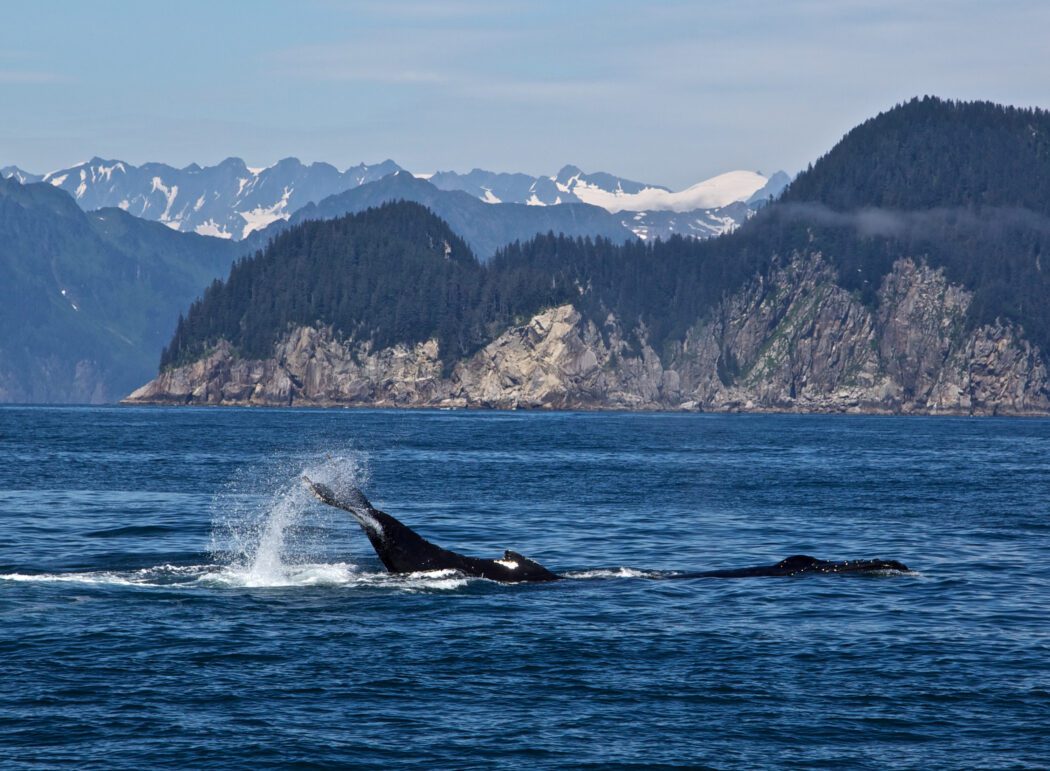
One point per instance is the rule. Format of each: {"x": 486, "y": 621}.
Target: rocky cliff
{"x": 792, "y": 341}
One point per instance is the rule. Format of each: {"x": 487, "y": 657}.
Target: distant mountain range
{"x": 232, "y": 200}
{"x": 229, "y": 200}
{"x": 485, "y": 227}
{"x": 614, "y": 194}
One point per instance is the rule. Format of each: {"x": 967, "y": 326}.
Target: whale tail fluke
{"x": 351, "y": 499}
{"x": 356, "y": 499}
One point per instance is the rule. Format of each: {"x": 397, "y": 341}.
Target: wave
{"x": 131, "y": 530}
{"x": 622, "y": 572}
{"x": 336, "y": 575}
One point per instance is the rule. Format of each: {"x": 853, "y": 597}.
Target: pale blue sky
{"x": 665, "y": 92}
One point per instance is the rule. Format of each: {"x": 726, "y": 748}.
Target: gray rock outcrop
{"x": 793, "y": 341}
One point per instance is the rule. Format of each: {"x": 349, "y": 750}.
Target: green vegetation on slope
{"x": 932, "y": 153}
{"x": 391, "y": 274}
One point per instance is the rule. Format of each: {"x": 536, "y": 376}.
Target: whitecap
{"x": 333, "y": 575}
{"x": 621, "y": 572}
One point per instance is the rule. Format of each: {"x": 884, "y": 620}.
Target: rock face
{"x": 799, "y": 342}
{"x": 794, "y": 341}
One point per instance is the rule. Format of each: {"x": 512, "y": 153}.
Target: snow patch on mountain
{"x": 260, "y": 217}
{"x": 106, "y": 172}
{"x": 230, "y": 198}
{"x": 700, "y": 223}
{"x": 234, "y": 200}
{"x": 212, "y": 228}
{"x": 614, "y": 194}
{"x": 23, "y": 177}
{"x": 710, "y": 194}
{"x": 170, "y": 194}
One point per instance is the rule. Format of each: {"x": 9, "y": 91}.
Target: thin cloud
{"x": 871, "y": 221}
{"x": 387, "y": 59}
{"x": 424, "y": 58}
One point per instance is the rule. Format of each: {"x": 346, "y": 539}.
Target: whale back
{"x": 402, "y": 550}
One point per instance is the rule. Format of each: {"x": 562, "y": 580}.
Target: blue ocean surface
{"x": 171, "y": 597}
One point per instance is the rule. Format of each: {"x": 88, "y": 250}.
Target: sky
{"x": 659, "y": 91}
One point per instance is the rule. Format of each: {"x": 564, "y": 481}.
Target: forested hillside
{"x": 391, "y": 274}
{"x": 86, "y": 300}
{"x": 965, "y": 204}
{"x": 932, "y": 153}
{"x": 398, "y": 274}
{"x": 894, "y": 214}
{"x": 964, "y": 185}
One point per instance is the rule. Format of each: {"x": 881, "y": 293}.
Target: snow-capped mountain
{"x": 614, "y": 194}
{"x": 229, "y": 200}
{"x": 708, "y": 208}
{"x": 499, "y": 187}
{"x": 23, "y": 177}
{"x": 702, "y": 223}
{"x": 232, "y": 200}
{"x": 709, "y": 194}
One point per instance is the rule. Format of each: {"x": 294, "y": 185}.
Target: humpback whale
{"x": 402, "y": 550}
{"x": 800, "y": 564}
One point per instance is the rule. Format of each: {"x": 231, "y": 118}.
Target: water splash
{"x": 195, "y": 577}
{"x": 269, "y": 532}
{"x": 267, "y": 567}
{"x": 267, "y": 526}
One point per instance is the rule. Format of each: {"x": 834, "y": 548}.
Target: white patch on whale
{"x": 368, "y": 521}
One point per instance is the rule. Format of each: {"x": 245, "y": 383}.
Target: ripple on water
{"x": 168, "y": 595}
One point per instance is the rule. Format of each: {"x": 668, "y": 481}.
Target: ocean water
{"x": 171, "y": 598}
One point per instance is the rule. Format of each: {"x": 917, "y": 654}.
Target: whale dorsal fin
{"x": 521, "y": 559}
{"x": 528, "y": 570}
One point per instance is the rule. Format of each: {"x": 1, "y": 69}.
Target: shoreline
{"x": 666, "y": 409}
